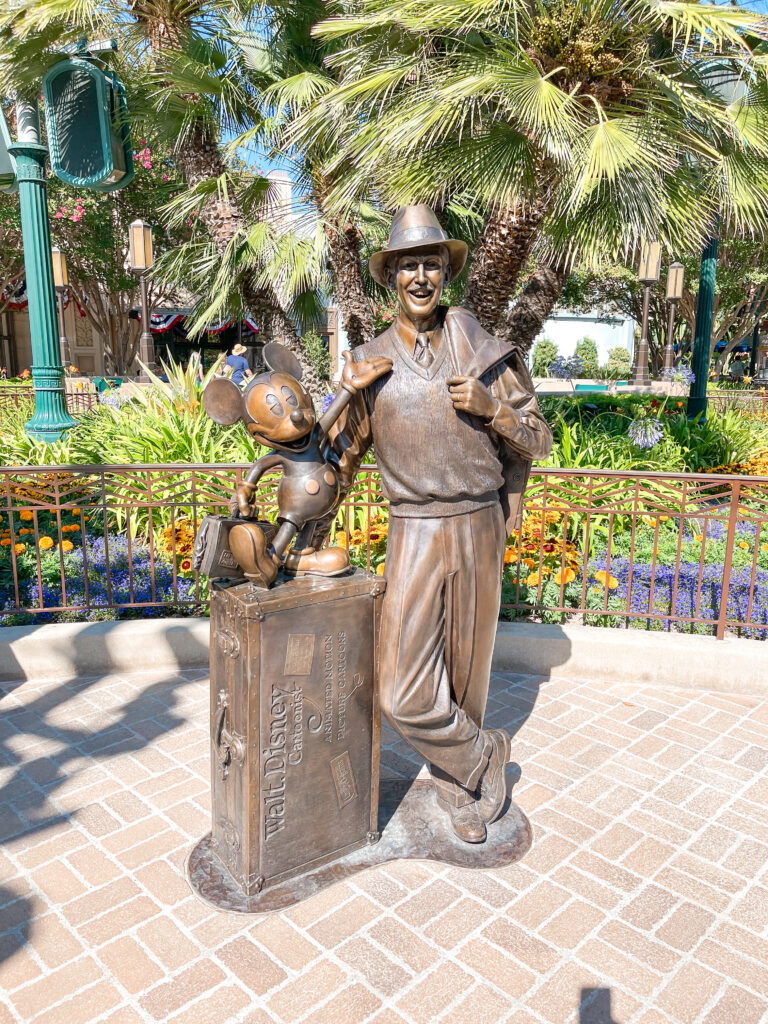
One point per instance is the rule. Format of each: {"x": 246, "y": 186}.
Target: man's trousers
{"x": 437, "y": 634}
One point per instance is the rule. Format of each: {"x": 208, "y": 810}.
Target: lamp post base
{"x": 147, "y": 356}
{"x": 50, "y": 419}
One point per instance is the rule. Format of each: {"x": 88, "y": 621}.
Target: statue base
{"x": 412, "y": 827}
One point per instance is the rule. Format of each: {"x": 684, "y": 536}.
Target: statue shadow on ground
{"x": 27, "y": 807}
{"x": 595, "y": 1006}
{"x": 511, "y": 700}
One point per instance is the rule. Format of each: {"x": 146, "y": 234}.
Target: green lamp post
{"x": 697, "y": 398}
{"x": 50, "y": 419}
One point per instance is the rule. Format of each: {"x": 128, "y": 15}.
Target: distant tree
{"x": 544, "y": 353}
{"x": 586, "y": 350}
{"x": 619, "y": 363}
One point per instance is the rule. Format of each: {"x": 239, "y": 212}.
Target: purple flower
{"x": 565, "y": 368}
{"x": 646, "y": 432}
{"x": 680, "y": 374}
{"x": 326, "y": 404}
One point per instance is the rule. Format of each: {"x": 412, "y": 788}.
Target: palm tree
{"x": 195, "y": 94}
{"x": 578, "y": 126}
{"x": 289, "y": 73}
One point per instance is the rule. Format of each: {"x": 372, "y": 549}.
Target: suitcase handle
{"x": 228, "y": 745}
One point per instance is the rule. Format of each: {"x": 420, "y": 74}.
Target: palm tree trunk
{"x": 535, "y": 302}
{"x": 499, "y": 256}
{"x": 344, "y": 240}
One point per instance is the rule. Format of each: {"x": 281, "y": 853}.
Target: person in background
{"x": 236, "y": 366}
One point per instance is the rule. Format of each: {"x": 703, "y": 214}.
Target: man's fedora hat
{"x": 414, "y": 228}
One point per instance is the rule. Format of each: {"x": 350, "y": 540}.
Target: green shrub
{"x": 619, "y": 363}
{"x": 586, "y": 350}
{"x": 318, "y": 353}
{"x": 544, "y": 352}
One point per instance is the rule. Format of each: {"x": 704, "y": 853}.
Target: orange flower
{"x": 529, "y": 563}
{"x": 26, "y": 516}
{"x": 562, "y": 577}
{"x": 24, "y": 530}
{"x": 510, "y": 555}
{"x": 380, "y": 569}
{"x": 5, "y": 542}
{"x": 67, "y": 545}
{"x": 46, "y": 543}
{"x": 341, "y": 540}
{"x": 20, "y": 548}
{"x": 532, "y": 580}
{"x": 743, "y": 545}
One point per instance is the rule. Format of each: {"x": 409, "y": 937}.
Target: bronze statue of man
{"x": 455, "y": 425}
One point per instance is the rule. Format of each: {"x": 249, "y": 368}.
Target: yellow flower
{"x": 26, "y": 517}
{"x": 20, "y": 548}
{"x": 596, "y": 590}
{"x": 380, "y": 569}
{"x": 532, "y": 580}
{"x": 46, "y": 543}
{"x": 529, "y": 563}
{"x": 743, "y": 545}
{"x": 612, "y": 583}
{"x": 764, "y": 548}
{"x": 698, "y": 537}
{"x": 600, "y": 576}
{"x": 341, "y": 540}
{"x": 566, "y": 576}
{"x": 74, "y": 511}
{"x": 67, "y": 545}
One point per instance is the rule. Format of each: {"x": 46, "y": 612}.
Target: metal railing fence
{"x": 746, "y": 401}
{"x": 663, "y": 551}
{"x": 22, "y": 396}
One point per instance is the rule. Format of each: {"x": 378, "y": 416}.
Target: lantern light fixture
{"x": 140, "y": 246}
{"x": 60, "y": 273}
{"x": 650, "y": 263}
{"x": 675, "y": 282}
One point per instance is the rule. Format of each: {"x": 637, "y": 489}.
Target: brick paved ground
{"x": 645, "y": 898}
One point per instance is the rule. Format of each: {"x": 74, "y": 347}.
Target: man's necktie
{"x": 422, "y": 352}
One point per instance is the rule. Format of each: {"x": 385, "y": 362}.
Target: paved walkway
{"x": 643, "y": 901}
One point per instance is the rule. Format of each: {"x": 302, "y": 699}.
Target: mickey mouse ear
{"x": 282, "y": 360}
{"x": 223, "y": 401}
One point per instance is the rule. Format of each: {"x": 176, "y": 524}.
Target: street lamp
{"x": 674, "y": 294}
{"x": 648, "y": 273}
{"x": 140, "y": 261}
{"x": 61, "y": 283}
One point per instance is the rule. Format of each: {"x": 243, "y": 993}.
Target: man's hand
{"x": 356, "y": 376}
{"x": 469, "y": 395}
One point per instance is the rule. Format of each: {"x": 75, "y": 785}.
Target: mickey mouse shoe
{"x": 327, "y": 562}
{"x": 249, "y": 546}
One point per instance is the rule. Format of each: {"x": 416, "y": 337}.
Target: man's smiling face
{"x": 419, "y": 279}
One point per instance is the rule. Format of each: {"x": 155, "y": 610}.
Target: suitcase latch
{"x": 228, "y": 642}
{"x": 229, "y": 746}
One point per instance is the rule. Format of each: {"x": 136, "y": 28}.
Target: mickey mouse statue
{"x": 278, "y": 413}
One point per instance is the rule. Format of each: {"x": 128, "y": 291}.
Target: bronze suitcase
{"x": 294, "y": 723}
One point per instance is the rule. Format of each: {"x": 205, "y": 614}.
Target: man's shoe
{"x": 466, "y": 821}
{"x": 249, "y": 546}
{"x": 326, "y": 562}
{"x": 493, "y": 782}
